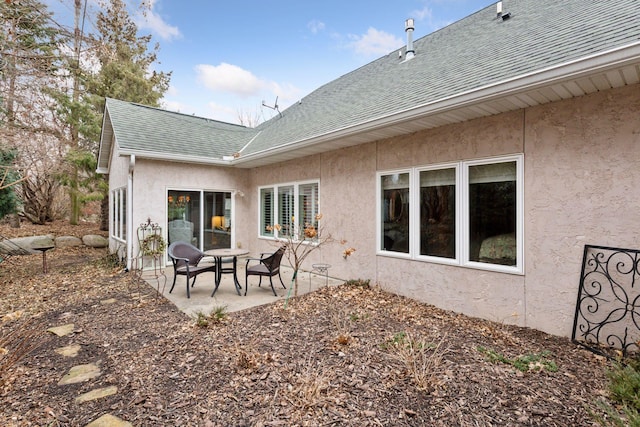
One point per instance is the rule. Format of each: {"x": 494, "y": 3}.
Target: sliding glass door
{"x": 202, "y": 218}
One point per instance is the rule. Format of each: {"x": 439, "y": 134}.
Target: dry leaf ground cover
{"x": 342, "y": 356}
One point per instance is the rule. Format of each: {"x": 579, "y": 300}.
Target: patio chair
{"x": 267, "y": 266}
{"x": 185, "y": 258}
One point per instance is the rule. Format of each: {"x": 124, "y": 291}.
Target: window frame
{"x": 118, "y": 213}
{"x": 416, "y": 213}
{"x": 204, "y": 225}
{"x": 275, "y": 207}
{"x": 380, "y": 220}
{"x": 462, "y": 233}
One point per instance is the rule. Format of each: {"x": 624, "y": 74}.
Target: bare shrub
{"x": 309, "y": 387}
{"x": 422, "y": 360}
{"x": 22, "y": 340}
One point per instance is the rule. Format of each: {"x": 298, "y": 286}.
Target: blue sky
{"x": 227, "y": 57}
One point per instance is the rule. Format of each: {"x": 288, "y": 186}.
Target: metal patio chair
{"x": 268, "y": 266}
{"x": 185, "y": 259}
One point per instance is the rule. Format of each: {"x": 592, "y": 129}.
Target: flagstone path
{"x": 84, "y": 373}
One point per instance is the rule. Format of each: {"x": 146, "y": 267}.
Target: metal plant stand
{"x": 322, "y": 269}
{"x": 151, "y": 248}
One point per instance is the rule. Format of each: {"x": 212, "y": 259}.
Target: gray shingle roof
{"x": 147, "y": 129}
{"x": 477, "y": 51}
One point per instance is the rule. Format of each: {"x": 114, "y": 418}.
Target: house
{"x": 468, "y": 171}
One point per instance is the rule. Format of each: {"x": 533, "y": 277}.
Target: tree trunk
{"x": 14, "y": 220}
{"x": 104, "y": 214}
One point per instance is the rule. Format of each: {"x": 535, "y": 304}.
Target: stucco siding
{"x": 475, "y": 139}
{"x": 152, "y": 179}
{"x": 582, "y": 187}
{"x": 581, "y": 181}
{"x": 118, "y": 174}
{"x": 347, "y": 197}
{"x": 495, "y": 296}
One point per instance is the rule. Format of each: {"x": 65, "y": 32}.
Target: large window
{"x": 119, "y": 213}
{"x": 291, "y": 206}
{"x": 466, "y": 213}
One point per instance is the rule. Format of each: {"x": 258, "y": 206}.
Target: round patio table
{"x": 218, "y": 254}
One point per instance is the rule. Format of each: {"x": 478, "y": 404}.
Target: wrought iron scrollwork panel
{"x": 608, "y": 307}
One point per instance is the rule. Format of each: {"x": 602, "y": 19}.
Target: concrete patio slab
{"x": 226, "y": 295}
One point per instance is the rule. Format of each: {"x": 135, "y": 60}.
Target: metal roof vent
{"x": 408, "y": 28}
{"x": 500, "y": 14}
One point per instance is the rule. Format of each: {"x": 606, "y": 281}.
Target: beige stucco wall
{"x": 118, "y": 173}
{"x": 495, "y": 296}
{"x": 581, "y": 186}
{"x": 582, "y": 176}
{"x": 152, "y": 180}
{"x": 347, "y": 201}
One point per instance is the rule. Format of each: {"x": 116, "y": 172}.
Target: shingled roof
{"x": 545, "y": 51}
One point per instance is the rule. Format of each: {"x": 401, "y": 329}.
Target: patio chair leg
{"x": 188, "y": 293}
{"x": 280, "y": 277}
{"x": 272, "y": 288}
{"x": 174, "y": 283}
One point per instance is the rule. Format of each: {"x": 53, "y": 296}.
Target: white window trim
{"x": 519, "y": 267}
{"x": 119, "y": 232}
{"x": 379, "y": 251}
{"x": 462, "y": 214}
{"x": 415, "y": 212}
{"x": 276, "y": 212}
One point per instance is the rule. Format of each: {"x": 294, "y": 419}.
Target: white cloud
{"x": 287, "y": 94}
{"x": 172, "y": 91}
{"x": 374, "y": 43}
{"x": 222, "y": 112}
{"x": 229, "y": 78}
{"x": 154, "y": 22}
{"x": 315, "y": 26}
{"x": 425, "y": 15}
{"x": 238, "y": 90}
{"x": 173, "y": 106}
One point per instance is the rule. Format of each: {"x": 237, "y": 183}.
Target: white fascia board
{"x": 598, "y": 62}
{"x": 150, "y": 155}
{"x": 106, "y": 124}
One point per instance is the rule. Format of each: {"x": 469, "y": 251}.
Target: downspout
{"x": 129, "y": 213}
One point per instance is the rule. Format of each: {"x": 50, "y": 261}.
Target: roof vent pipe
{"x": 499, "y": 9}
{"x": 408, "y": 28}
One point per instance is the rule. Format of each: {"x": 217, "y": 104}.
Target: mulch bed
{"x": 346, "y": 355}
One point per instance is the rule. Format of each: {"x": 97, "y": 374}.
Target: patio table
{"x": 218, "y": 254}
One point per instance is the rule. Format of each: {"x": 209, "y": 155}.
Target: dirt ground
{"x": 341, "y": 356}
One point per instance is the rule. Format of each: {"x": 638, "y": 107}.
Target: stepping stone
{"x": 97, "y": 394}
{"x": 108, "y": 420}
{"x": 61, "y": 331}
{"x": 80, "y": 373}
{"x": 12, "y": 316}
{"x": 68, "y": 351}
{"x": 108, "y": 301}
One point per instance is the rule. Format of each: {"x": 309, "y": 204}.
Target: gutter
{"x": 597, "y": 62}
{"x": 175, "y": 158}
